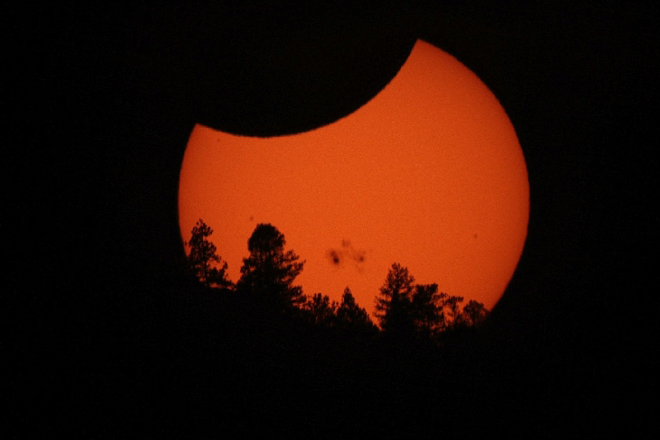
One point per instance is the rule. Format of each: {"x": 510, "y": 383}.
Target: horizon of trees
{"x": 268, "y": 273}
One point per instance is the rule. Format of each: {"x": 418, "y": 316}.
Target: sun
{"x": 429, "y": 174}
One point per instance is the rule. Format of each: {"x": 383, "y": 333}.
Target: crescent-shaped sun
{"x": 429, "y": 173}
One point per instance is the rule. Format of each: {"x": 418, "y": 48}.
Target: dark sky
{"x": 102, "y": 100}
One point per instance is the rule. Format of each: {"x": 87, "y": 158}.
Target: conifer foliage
{"x": 403, "y": 307}
{"x": 350, "y": 316}
{"x": 406, "y": 308}
{"x": 203, "y": 260}
{"x": 270, "y": 271}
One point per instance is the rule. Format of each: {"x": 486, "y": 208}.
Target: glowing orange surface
{"x": 429, "y": 174}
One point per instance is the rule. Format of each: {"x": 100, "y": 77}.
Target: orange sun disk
{"x": 429, "y": 173}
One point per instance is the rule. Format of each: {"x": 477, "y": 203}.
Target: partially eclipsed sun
{"x": 429, "y": 174}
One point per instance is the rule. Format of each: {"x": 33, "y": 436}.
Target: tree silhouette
{"x": 320, "y": 310}
{"x": 203, "y": 260}
{"x": 350, "y": 316}
{"x": 393, "y": 305}
{"x": 269, "y": 271}
{"x": 453, "y": 311}
{"x": 474, "y": 313}
{"x": 427, "y": 309}
{"x": 406, "y": 308}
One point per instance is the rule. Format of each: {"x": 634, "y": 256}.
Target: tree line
{"x": 268, "y": 273}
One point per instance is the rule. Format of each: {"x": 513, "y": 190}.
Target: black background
{"x": 101, "y": 101}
